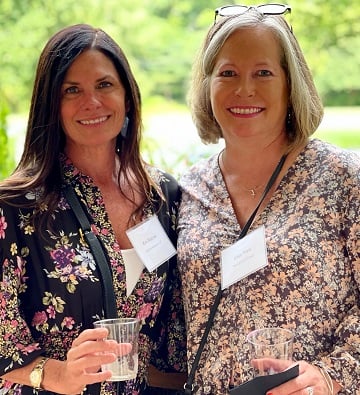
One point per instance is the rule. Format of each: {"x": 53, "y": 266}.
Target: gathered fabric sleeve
{"x": 17, "y": 345}
{"x": 343, "y": 363}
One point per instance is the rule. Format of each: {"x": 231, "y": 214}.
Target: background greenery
{"x": 160, "y": 38}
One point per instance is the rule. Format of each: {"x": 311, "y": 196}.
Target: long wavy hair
{"x": 305, "y": 109}
{"x": 39, "y": 166}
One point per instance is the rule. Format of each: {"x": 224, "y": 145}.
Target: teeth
{"x": 93, "y": 121}
{"x": 245, "y": 110}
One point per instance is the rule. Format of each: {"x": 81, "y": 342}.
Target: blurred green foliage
{"x": 161, "y": 37}
{"x": 6, "y": 149}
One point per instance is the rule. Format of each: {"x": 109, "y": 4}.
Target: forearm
{"x": 333, "y": 386}
{"x": 50, "y": 380}
{"x": 343, "y": 362}
{"x": 21, "y": 375}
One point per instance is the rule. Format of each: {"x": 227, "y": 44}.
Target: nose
{"x": 91, "y": 100}
{"x": 245, "y": 87}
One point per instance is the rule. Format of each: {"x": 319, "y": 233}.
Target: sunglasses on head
{"x": 266, "y": 9}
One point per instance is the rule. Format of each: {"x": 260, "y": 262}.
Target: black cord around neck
{"x": 189, "y": 386}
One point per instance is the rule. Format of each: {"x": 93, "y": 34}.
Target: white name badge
{"x": 151, "y": 243}
{"x": 244, "y": 257}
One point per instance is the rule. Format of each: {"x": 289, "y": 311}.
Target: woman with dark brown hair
{"x": 83, "y": 136}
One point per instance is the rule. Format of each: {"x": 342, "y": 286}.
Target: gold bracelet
{"x": 328, "y": 380}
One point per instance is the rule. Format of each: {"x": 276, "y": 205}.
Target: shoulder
{"x": 167, "y": 182}
{"x": 203, "y": 170}
{"x": 340, "y": 160}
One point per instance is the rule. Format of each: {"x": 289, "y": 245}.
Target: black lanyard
{"x": 110, "y": 308}
{"x": 189, "y": 386}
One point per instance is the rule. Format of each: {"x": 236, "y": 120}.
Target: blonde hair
{"x": 305, "y": 107}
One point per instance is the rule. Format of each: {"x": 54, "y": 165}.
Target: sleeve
{"x": 17, "y": 346}
{"x": 169, "y": 353}
{"x": 343, "y": 363}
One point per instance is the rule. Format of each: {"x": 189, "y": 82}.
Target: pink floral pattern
{"x": 50, "y": 288}
{"x": 3, "y": 226}
{"x": 311, "y": 284}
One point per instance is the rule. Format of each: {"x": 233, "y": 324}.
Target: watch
{"x": 36, "y": 375}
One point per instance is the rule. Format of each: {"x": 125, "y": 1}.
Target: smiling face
{"x": 93, "y": 103}
{"x": 248, "y": 87}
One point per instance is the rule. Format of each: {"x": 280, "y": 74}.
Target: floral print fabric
{"x": 50, "y": 288}
{"x": 311, "y": 284}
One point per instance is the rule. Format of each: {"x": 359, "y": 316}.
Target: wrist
{"x": 37, "y": 374}
{"x": 329, "y": 382}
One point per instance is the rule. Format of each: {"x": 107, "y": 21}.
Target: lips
{"x": 245, "y": 111}
{"x": 93, "y": 121}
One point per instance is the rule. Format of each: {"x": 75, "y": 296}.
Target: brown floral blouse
{"x": 50, "y": 288}
{"x": 311, "y": 284}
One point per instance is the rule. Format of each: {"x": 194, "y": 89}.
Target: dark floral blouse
{"x": 311, "y": 284}
{"x": 50, "y": 288}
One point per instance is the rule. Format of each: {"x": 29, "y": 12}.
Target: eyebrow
{"x": 105, "y": 77}
{"x": 229, "y": 63}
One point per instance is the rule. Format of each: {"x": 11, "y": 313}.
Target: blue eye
{"x": 71, "y": 89}
{"x": 227, "y": 73}
{"x": 104, "y": 84}
{"x": 264, "y": 73}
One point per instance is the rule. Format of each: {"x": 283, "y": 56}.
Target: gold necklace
{"x": 252, "y": 191}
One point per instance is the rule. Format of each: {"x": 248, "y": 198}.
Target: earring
{"x": 124, "y": 129}
{"x": 289, "y": 117}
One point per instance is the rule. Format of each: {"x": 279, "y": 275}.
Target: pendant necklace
{"x": 252, "y": 191}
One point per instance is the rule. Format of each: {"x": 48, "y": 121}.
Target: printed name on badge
{"x": 151, "y": 243}
{"x": 244, "y": 257}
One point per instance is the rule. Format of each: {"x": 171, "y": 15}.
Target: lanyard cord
{"x": 100, "y": 258}
{"x": 189, "y": 386}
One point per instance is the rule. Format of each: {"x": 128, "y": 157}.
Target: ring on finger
{"x": 310, "y": 390}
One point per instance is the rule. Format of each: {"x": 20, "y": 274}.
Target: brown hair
{"x": 39, "y": 166}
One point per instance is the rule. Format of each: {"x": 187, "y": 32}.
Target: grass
{"x": 341, "y": 126}
{"x": 345, "y": 139}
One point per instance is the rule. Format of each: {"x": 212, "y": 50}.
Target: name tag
{"x": 244, "y": 257}
{"x": 151, "y": 243}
